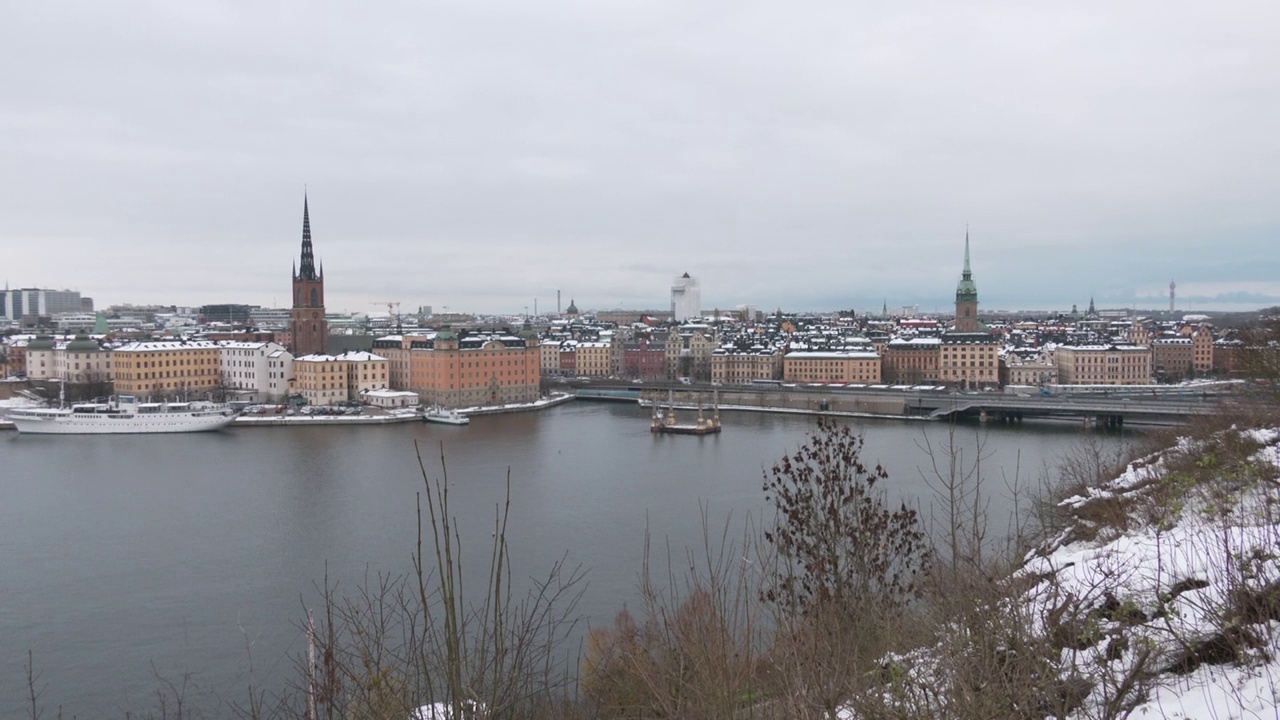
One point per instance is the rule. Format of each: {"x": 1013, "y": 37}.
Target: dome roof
{"x": 42, "y": 342}
{"x": 573, "y": 309}
{"x": 82, "y": 343}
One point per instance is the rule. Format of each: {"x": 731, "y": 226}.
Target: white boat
{"x": 445, "y": 416}
{"x": 122, "y": 415}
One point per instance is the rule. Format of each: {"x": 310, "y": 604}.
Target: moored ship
{"x": 445, "y": 416}
{"x": 122, "y": 415}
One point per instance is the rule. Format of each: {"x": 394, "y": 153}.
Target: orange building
{"x": 475, "y": 369}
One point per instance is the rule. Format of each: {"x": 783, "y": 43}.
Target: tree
{"x": 839, "y": 545}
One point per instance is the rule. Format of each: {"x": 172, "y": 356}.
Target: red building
{"x": 644, "y": 360}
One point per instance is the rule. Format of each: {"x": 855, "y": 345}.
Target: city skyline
{"x": 479, "y": 157}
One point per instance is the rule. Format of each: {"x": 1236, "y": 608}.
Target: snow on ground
{"x": 1189, "y": 573}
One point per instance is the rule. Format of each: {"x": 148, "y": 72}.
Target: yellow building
{"x": 365, "y": 372}
{"x": 969, "y": 359}
{"x": 736, "y": 368}
{"x": 1103, "y": 365}
{"x": 831, "y": 367}
{"x": 594, "y": 359}
{"x": 167, "y": 369}
{"x": 321, "y": 379}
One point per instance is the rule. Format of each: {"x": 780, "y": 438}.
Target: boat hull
{"x": 464, "y": 420}
{"x": 121, "y": 425}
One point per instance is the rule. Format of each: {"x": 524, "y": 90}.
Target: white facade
{"x": 255, "y": 371}
{"x": 686, "y": 299}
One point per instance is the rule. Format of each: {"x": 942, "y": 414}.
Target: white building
{"x": 255, "y": 371}
{"x": 686, "y": 299}
{"x": 270, "y": 317}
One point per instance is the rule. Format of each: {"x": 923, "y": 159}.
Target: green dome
{"x": 82, "y": 344}
{"x": 42, "y": 342}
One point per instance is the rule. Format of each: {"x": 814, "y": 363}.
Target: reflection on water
{"x": 118, "y": 553}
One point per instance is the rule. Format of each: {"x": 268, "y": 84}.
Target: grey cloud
{"x": 830, "y": 153}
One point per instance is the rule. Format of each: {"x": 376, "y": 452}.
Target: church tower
{"x": 310, "y": 330}
{"x": 966, "y": 296}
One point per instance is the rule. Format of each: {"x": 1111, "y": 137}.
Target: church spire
{"x": 308, "y": 270}
{"x": 966, "y": 290}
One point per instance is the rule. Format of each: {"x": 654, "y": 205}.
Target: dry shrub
{"x": 692, "y": 653}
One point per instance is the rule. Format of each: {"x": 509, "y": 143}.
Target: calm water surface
{"x": 126, "y": 557}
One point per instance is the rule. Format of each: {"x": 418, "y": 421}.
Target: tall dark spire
{"x": 308, "y": 270}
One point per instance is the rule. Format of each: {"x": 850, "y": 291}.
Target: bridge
{"x": 1111, "y": 411}
{"x": 1159, "y": 405}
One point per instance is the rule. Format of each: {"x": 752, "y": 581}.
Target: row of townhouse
{"x": 255, "y": 372}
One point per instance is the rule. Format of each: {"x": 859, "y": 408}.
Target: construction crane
{"x": 393, "y": 310}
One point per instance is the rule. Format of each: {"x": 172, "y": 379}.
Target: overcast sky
{"x": 809, "y": 155}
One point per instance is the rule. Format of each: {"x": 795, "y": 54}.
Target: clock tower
{"x": 309, "y": 328}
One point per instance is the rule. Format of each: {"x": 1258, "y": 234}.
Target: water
{"x": 124, "y": 558}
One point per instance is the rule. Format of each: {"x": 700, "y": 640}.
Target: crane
{"x": 393, "y": 310}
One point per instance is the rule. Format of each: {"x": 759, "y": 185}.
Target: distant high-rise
{"x": 15, "y": 304}
{"x": 1172, "y": 287}
{"x": 686, "y": 299}
{"x": 310, "y": 331}
{"x": 966, "y": 296}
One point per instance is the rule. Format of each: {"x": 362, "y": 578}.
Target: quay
{"x": 1150, "y": 405}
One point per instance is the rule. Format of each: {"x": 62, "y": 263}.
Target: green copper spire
{"x": 966, "y": 290}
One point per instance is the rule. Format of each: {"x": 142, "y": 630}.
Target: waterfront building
{"x": 309, "y": 328}
{"x": 1202, "y": 350}
{"x": 395, "y": 348}
{"x": 82, "y": 361}
{"x": 689, "y": 349}
{"x": 475, "y": 368}
{"x": 365, "y": 372}
{"x": 594, "y": 359}
{"x": 1031, "y": 373}
{"x": 731, "y": 366}
{"x": 1103, "y": 364}
{"x": 17, "y": 355}
{"x": 969, "y": 359}
{"x": 909, "y": 361}
{"x": 568, "y": 358}
{"x": 167, "y": 368}
{"x": 40, "y": 358}
{"x": 255, "y": 371}
{"x": 320, "y": 379}
{"x": 1172, "y": 358}
{"x": 644, "y": 359}
{"x": 686, "y": 299}
{"x": 850, "y": 366}
{"x": 549, "y": 358}
{"x": 390, "y": 398}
